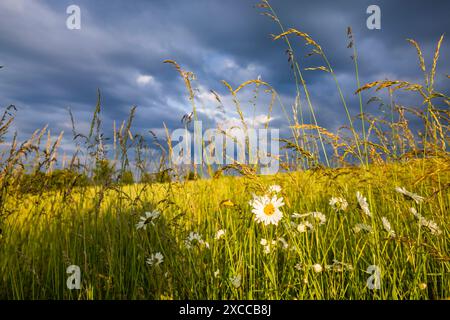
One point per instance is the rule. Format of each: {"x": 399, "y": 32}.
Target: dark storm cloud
{"x": 121, "y": 46}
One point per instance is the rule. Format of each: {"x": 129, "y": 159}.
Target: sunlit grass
{"x": 112, "y": 253}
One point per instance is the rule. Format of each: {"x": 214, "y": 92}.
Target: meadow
{"x": 361, "y": 213}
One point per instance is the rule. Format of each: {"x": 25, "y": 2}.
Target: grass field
{"x": 361, "y": 213}
{"x": 52, "y": 234}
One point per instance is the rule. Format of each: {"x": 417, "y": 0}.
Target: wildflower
{"x": 155, "y": 259}
{"x": 338, "y": 203}
{"x": 283, "y": 243}
{"x": 267, "y": 209}
{"x": 195, "y": 239}
{"x": 236, "y": 281}
{"x": 422, "y": 286}
{"x": 148, "y": 217}
{"x": 363, "y": 203}
{"x": 387, "y": 227}
{"x": 304, "y": 226}
{"x": 297, "y": 215}
{"x": 267, "y": 245}
{"x": 338, "y": 266}
{"x": 415, "y": 213}
{"x": 431, "y": 225}
{"x": 319, "y": 216}
{"x": 409, "y": 195}
{"x": 216, "y": 273}
{"x": 298, "y": 266}
{"x": 275, "y": 189}
{"x": 317, "y": 268}
{"x": 220, "y": 234}
{"x": 362, "y": 227}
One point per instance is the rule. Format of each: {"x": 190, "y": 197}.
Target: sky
{"x": 121, "y": 47}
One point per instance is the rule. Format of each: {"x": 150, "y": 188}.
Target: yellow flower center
{"x": 269, "y": 209}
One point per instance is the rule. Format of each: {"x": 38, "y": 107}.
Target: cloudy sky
{"x": 121, "y": 46}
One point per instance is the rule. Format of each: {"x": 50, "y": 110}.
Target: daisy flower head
{"x": 268, "y": 245}
{"x": 220, "y": 233}
{"x": 283, "y": 242}
{"x": 236, "y": 281}
{"x": 338, "y": 203}
{"x": 148, "y": 217}
{"x": 216, "y": 273}
{"x": 410, "y": 195}
{"x": 267, "y": 209}
{"x": 274, "y": 189}
{"x": 387, "y": 227}
{"x": 319, "y": 217}
{"x": 359, "y": 227}
{"x": 155, "y": 259}
{"x": 431, "y": 225}
{"x": 304, "y": 226}
{"x": 362, "y": 201}
{"x": 194, "y": 239}
{"x": 317, "y": 268}
{"x": 338, "y": 266}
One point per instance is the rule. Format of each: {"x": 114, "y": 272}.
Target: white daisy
{"x": 363, "y": 203}
{"x": 338, "y": 203}
{"x": 275, "y": 188}
{"x": 155, "y": 259}
{"x": 194, "y": 239}
{"x": 319, "y": 216}
{"x": 298, "y": 266}
{"x": 431, "y": 225}
{"x": 415, "y": 213}
{"x": 236, "y": 281}
{"x": 409, "y": 195}
{"x": 216, "y": 273}
{"x": 362, "y": 227}
{"x": 220, "y": 234}
{"x": 148, "y": 217}
{"x": 304, "y": 226}
{"x": 338, "y": 266}
{"x": 317, "y": 268}
{"x": 387, "y": 227}
{"x": 268, "y": 245}
{"x": 283, "y": 243}
{"x": 267, "y": 209}
{"x": 296, "y": 215}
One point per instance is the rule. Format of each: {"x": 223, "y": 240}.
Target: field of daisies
{"x": 349, "y": 233}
